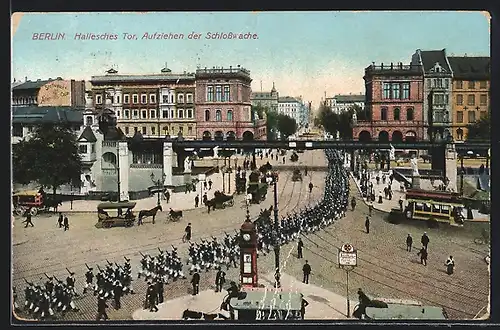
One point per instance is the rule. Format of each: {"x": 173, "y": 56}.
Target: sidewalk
{"x": 323, "y": 304}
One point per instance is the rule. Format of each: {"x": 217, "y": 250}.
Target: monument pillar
{"x": 167, "y": 162}
{"x": 123, "y": 170}
{"x": 451, "y": 167}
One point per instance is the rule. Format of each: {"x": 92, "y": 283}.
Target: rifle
{"x": 47, "y": 276}
{"x": 119, "y": 266}
{"x": 99, "y": 267}
{"x": 57, "y": 279}
{"x": 69, "y": 271}
{"x": 142, "y": 254}
{"x": 173, "y": 247}
{"x": 87, "y": 266}
{"x": 159, "y": 250}
{"x": 29, "y": 283}
{"x": 126, "y": 259}
{"x": 109, "y": 263}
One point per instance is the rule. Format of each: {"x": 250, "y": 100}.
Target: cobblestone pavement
{"x": 47, "y": 249}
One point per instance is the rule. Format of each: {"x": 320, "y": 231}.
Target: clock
{"x": 246, "y": 237}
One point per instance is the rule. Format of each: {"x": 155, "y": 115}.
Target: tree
{"x": 271, "y": 124}
{"x": 480, "y": 130}
{"x": 286, "y": 126}
{"x": 50, "y": 158}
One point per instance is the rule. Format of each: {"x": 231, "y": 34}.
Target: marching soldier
{"x": 195, "y": 281}
{"x": 15, "y": 305}
{"x": 70, "y": 282}
{"x": 151, "y": 298}
{"x": 117, "y": 294}
{"x": 89, "y": 277}
{"x": 101, "y": 308}
{"x": 300, "y": 246}
{"x": 160, "y": 289}
{"x": 450, "y": 265}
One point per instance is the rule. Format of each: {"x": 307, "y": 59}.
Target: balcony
{"x": 111, "y": 144}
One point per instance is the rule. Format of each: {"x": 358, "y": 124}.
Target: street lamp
{"x": 158, "y": 183}
{"x": 273, "y": 179}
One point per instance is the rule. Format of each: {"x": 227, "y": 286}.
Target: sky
{"x": 305, "y": 54}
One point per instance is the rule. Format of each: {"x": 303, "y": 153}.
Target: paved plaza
{"x": 385, "y": 268}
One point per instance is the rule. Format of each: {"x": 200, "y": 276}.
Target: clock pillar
{"x": 248, "y": 253}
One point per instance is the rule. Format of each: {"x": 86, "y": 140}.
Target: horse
{"x": 149, "y": 213}
{"x": 54, "y": 203}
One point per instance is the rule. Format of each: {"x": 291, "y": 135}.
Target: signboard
{"x": 309, "y": 145}
{"x": 55, "y": 93}
{"x": 292, "y": 145}
{"x": 348, "y": 256}
{"x": 202, "y": 177}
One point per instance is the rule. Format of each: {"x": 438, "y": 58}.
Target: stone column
{"x": 167, "y": 162}
{"x": 124, "y": 169}
{"x": 451, "y": 166}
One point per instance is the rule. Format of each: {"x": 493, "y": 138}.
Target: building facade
{"x": 470, "y": 92}
{"x": 223, "y": 105}
{"x": 341, "y": 103}
{"x": 295, "y": 108}
{"x": 394, "y": 97}
{"x": 51, "y": 93}
{"x": 437, "y": 75}
{"x": 268, "y": 100}
{"x": 155, "y": 105}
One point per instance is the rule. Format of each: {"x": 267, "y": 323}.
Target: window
{"x": 126, "y": 114}
{"x": 152, "y": 114}
{"x": 98, "y": 99}
{"x": 484, "y": 114}
{"x": 180, "y": 113}
{"x": 439, "y": 82}
{"x": 181, "y": 129}
{"x": 472, "y": 84}
{"x": 229, "y": 115}
{"x": 92, "y": 150}
{"x": 218, "y": 115}
{"x": 127, "y": 130}
{"x": 483, "y": 84}
{"x": 126, "y": 98}
{"x": 165, "y": 113}
{"x": 189, "y": 113}
{"x": 190, "y": 130}
{"x": 144, "y": 114}
{"x": 165, "y": 130}
{"x": 17, "y": 130}
{"x": 460, "y": 134}
{"x": 118, "y": 114}
{"x": 189, "y": 98}
{"x": 152, "y": 98}
{"x": 210, "y": 93}
{"x": 397, "y": 114}
{"x": 471, "y": 99}
{"x": 144, "y": 131}
{"x": 89, "y": 121}
{"x": 207, "y": 115}
{"x": 472, "y": 117}
{"x": 460, "y": 116}
{"x": 172, "y": 113}
{"x": 483, "y": 99}
{"x": 438, "y": 99}
{"x": 82, "y": 148}
{"x": 117, "y": 98}
{"x": 446, "y": 83}
{"x": 144, "y": 98}
{"x": 153, "y": 130}
{"x": 460, "y": 99}
{"x": 180, "y": 98}
{"x": 396, "y": 91}
{"x": 406, "y": 91}
{"x": 409, "y": 114}
{"x": 383, "y": 114}
{"x": 135, "y": 98}
{"x": 136, "y": 114}
{"x": 165, "y": 98}
{"x": 226, "y": 94}
{"x": 459, "y": 84}
{"x": 147, "y": 158}
{"x": 218, "y": 93}
{"x": 135, "y": 129}
{"x": 387, "y": 91}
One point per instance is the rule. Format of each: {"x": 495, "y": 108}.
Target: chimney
{"x": 26, "y": 78}
{"x": 382, "y": 66}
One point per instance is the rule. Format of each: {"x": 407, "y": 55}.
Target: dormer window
{"x": 89, "y": 121}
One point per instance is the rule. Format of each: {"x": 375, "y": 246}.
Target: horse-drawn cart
{"x": 121, "y": 218}
{"x": 296, "y": 175}
{"x": 258, "y": 191}
{"x": 28, "y": 200}
{"x": 222, "y": 201}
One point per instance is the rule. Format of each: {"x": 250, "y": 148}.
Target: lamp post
{"x": 158, "y": 183}
{"x": 273, "y": 179}
{"x": 229, "y": 170}
{"x": 224, "y": 179}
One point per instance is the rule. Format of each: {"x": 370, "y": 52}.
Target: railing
{"x": 394, "y": 67}
{"x": 146, "y": 165}
{"x": 109, "y": 144}
{"x": 393, "y": 123}
{"x": 223, "y": 70}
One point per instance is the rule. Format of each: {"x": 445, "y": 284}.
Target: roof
{"x": 33, "y": 84}
{"x": 142, "y": 77}
{"x": 27, "y": 193}
{"x": 268, "y": 300}
{"x": 87, "y": 135}
{"x": 406, "y": 312}
{"x": 40, "y": 115}
{"x": 288, "y": 99}
{"x": 431, "y": 57}
{"x": 470, "y": 68}
{"x": 111, "y": 205}
{"x": 349, "y": 98}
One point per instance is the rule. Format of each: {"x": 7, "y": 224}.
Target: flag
{"x": 392, "y": 153}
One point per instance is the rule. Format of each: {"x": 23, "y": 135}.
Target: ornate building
{"x": 266, "y": 99}
{"x": 223, "y": 105}
{"x": 470, "y": 93}
{"x": 394, "y": 97}
{"x": 341, "y": 103}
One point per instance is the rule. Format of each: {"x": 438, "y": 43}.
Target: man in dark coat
{"x": 60, "y": 220}
{"x": 196, "y": 201}
{"x": 310, "y": 187}
{"x": 151, "y": 295}
{"x": 353, "y": 203}
{"x": 160, "y": 290}
{"x": 367, "y": 225}
{"x": 425, "y": 240}
{"x": 28, "y": 219}
{"x": 423, "y": 256}
{"x": 195, "y": 281}
{"x": 409, "y": 242}
{"x": 117, "y": 294}
{"x": 306, "y": 269}
{"x": 66, "y": 223}
{"x": 101, "y": 308}
{"x": 303, "y": 306}
{"x": 187, "y": 232}
{"x": 220, "y": 279}
{"x": 300, "y": 246}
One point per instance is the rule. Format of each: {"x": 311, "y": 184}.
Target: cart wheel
{"x": 20, "y": 210}
{"x": 33, "y": 211}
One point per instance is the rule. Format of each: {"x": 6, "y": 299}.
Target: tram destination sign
{"x": 348, "y": 256}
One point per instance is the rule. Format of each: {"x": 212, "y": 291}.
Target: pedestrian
{"x": 423, "y": 256}
{"x": 187, "y": 233}
{"x": 196, "y": 201}
{"x": 101, "y": 308}
{"x": 210, "y": 184}
{"x": 159, "y": 290}
{"x": 353, "y": 203}
{"x": 409, "y": 242}
{"x": 220, "y": 279}
{"x": 370, "y": 209}
{"x": 367, "y": 225}
{"x": 205, "y": 185}
{"x": 380, "y": 197}
{"x": 60, "y": 220}
{"x": 300, "y": 246}
{"x": 167, "y": 195}
{"x": 303, "y": 306}
{"x": 378, "y": 179}
{"x": 401, "y": 203}
{"x": 425, "y": 240}
{"x": 284, "y": 159}
{"x": 305, "y": 171}
{"x": 310, "y": 187}
{"x": 151, "y": 295}
{"x": 389, "y": 193}
{"x": 195, "y": 281}
{"x": 306, "y": 269}
{"x": 450, "y": 265}
{"x": 66, "y": 223}
{"x": 28, "y": 219}
{"x": 205, "y": 199}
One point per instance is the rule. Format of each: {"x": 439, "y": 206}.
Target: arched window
{"x": 207, "y": 115}
{"x": 229, "y": 115}
{"x": 89, "y": 121}
{"x": 383, "y": 114}
{"x": 397, "y": 114}
{"x": 218, "y": 115}
{"x": 409, "y": 114}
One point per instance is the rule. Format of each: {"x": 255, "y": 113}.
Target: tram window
{"x": 445, "y": 209}
{"x": 419, "y": 207}
{"x": 436, "y": 208}
{"x": 427, "y": 207}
